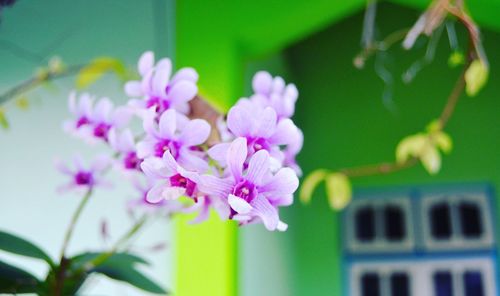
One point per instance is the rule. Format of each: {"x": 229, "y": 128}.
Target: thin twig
{"x": 36, "y": 81}
{"x": 391, "y": 167}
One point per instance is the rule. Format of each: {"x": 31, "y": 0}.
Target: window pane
{"x": 370, "y": 284}
{"x": 443, "y": 284}
{"x": 365, "y": 224}
{"x": 470, "y": 216}
{"x": 440, "y": 221}
{"x": 394, "y": 223}
{"x": 400, "y": 285}
{"x": 473, "y": 284}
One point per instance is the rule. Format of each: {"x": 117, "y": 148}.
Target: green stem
{"x": 74, "y": 219}
{"x": 123, "y": 240}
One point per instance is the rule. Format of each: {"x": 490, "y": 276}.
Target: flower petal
{"x": 266, "y": 124}
{"x": 187, "y": 73}
{"x": 282, "y": 226}
{"x": 102, "y": 110}
{"x": 258, "y": 167}
{"x": 182, "y": 92}
{"x": 167, "y": 124}
{"x": 239, "y": 121}
{"x": 239, "y": 204}
{"x": 146, "y": 62}
{"x": 156, "y": 168}
{"x": 284, "y": 182}
{"x": 62, "y": 167}
{"x": 236, "y": 156}
{"x": 154, "y": 195}
{"x": 161, "y": 78}
{"x": 215, "y": 186}
{"x": 219, "y": 153}
{"x": 196, "y": 132}
{"x": 133, "y": 89}
{"x": 286, "y": 132}
{"x": 192, "y": 162}
{"x": 145, "y": 147}
{"x": 266, "y": 212}
{"x": 262, "y": 82}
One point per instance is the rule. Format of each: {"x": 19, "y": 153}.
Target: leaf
{"x": 121, "y": 267}
{"x": 475, "y": 77}
{"x": 339, "y": 192}
{"x": 127, "y": 259}
{"x": 443, "y": 141}
{"x": 434, "y": 126}
{"x": 16, "y": 245}
{"x": 14, "y": 280}
{"x": 310, "y": 183}
{"x": 410, "y": 146}
{"x": 456, "y": 59}
{"x": 98, "y": 67}
{"x": 3, "y": 119}
{"x": 130, "y": 276}
{"x": 22, "y": 103}
{"x": 431, "y": 160}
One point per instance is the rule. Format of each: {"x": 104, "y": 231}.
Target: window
{"x": 429, "y": 277}
{"x": 370, "y": 284}
{"x": 376, "y": 279}
{"x": 376, "y": 224}
{"x": 443, "y": 283}
{"x": 473, "y": 283}
{"x": 456, "y": 222}
{"x": 400, "y": 284}
{"x": 460, "y": 277}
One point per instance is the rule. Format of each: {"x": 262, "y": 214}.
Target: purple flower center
{"x": 84, "y": 178}
{"x": 183, "y": 182}
{"x": 255, "y": 145}
{"x": 131, "y": 161}
{"x": 101, "y": 130}
{"x": 159, "y": 104}
{"x": 167, "y": 145}
{"x": 245, "y": 190}
{"x": 82, "y": 121}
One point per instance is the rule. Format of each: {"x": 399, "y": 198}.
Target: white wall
{"x": 29, "y": 205}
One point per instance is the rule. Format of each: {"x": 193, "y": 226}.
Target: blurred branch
{"x": 37, "y": 80}
{"x": 392, "y": 167}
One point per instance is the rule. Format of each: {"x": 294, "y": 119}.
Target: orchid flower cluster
{"x": 246, "y": 176}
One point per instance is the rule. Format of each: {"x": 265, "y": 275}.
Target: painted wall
{"x": 29, "y": 206}
{"x": 346, "y": 123}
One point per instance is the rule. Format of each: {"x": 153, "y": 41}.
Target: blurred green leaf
{"x": 456, "y": 59}
{"x": 14, "y": 280}
{"x": 130, "y": 276}
{"x": 431, "y": 160}
{"x": 475, "y": 77}
{"x": 410, "y": 146}
{"x": 443, "y": 141}
{"x": 3, "y": 119}
{"x": 124, "y": 259}
{"x": 310, "y": 183}
{"x": 22, "y": 103}
{"x": 434, "y": 126}
{"x": 339, "y": 192}
{"x": 119, "y": 266}
{"x": 97, "y": 68}
{"x": 16, "y": 245}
